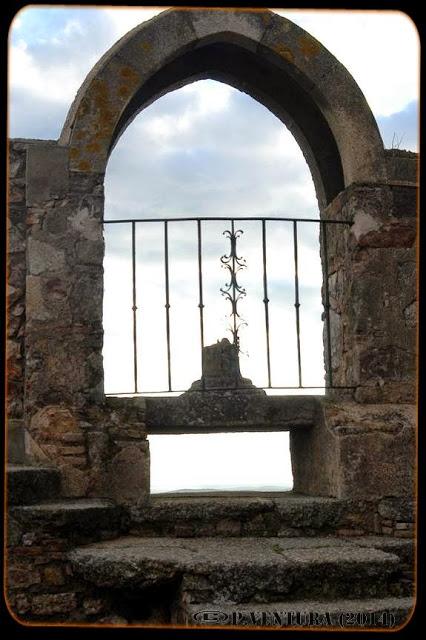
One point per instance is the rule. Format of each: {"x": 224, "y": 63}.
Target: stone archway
{"x": 371, "y": 331}
{"x": 267, "y": 56}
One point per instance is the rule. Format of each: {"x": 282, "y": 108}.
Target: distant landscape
{"x": 227, "y": 489}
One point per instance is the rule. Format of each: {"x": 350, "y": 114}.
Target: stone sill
{"x": 221, "y": 412}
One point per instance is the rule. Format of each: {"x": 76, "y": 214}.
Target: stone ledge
{"x": 231, "y": 410}
{"x": 27, "y": 484}
{"x": 238, "y": 570}
{"x": 83, "y": 516}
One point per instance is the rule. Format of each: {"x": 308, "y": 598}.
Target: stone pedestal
{"x": 221, "y": 368}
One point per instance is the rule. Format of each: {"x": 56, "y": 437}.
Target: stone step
{"x": 270, "y": 515}
{"x": 349, "y": 614}
{"x": 83, "y": 516}
{"x": 28, "y": 484}
{"x": 242, "y": 570}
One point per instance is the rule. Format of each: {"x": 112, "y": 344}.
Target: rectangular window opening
{"x": 220, "y": 462}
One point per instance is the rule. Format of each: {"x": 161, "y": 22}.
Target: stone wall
{"x": 357, "y": 451}
{"x": 64, "y": 283}
{"x": 372, "y": 288}
{"x": 16, "y": 275}
{"x": 40, "y": 585}
{"x": 55, "y": 336}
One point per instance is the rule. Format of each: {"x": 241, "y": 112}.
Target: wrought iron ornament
{"x": 233, "y": 291}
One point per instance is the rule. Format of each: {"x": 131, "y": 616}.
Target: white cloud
{"x": 57, "y": 84}
{"x": 379, "y": 48}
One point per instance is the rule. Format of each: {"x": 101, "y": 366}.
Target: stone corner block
{"x": 47, "y": 173}
{"x": 129, "y": 477}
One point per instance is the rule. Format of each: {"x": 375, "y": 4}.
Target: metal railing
{"x": 232, "y": 291}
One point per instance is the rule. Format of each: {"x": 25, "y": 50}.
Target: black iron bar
{"x": 200, "y": 294}
{"x": 134, "y": 308}
{"x": 277, "y": 219}
{"x": 266, "y": 300}
{"x": 167, "y": 305}
{"x": 200, "y": 283}
{"x": 327, "y": 303}
{"x": 296, "y": 301}
{"x": 234, "y": 290}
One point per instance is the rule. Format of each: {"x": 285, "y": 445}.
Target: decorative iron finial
{"x": 233, "y": 291}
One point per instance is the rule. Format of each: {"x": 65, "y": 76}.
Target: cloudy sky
{"x": 208, "y": 150}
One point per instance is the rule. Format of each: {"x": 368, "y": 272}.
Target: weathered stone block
{"x": 150, "y": 48}
{"x": 47, "y": 172}
{"x": 249, "y": 24}
{"x": 35, "y": 302}
{"x": 44, "y": 257}
{"x": 28, "y": 484}
{"x": 397, "y": 509}
{"x": 402, "y": 166}
{"x": 94, "y": 606}
{"x": 54, "y": 575}
{"x": 75, "y": 482}
{"x": 17, "y": 192}
{"x": 52, "y": 422}
{"x": 352, "y": 438}
{"x": 22, "y": 575}
{"x": 388, "y": 458}
{"x": 129, "y": 474}
{"x": 15, "y": 442}
{"x": 49, "y": 604}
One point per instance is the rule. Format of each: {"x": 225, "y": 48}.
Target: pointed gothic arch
{"x": 258, "y": 52}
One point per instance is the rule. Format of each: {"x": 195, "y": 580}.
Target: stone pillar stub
{"x": 221, "y": 368}
{"x": 47, "y": 173}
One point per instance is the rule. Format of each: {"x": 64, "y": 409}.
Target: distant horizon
{"x": 228, "y": 488}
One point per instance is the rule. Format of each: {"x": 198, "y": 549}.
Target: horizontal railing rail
{"x": 233, "y": 292}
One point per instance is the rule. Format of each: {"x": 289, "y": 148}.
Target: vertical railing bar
{"x": 266, "y": 300}
{"x": 167, "y": 305}
{"x": 200, "y": 295}
{"x": 134, "y": 308}
{"x": 296, "y": 301}
{"x": 327, "y": 302}
{"x": 234, "y": 296}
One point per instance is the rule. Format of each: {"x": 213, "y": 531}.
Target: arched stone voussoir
{"x": 335, "y": 93}
{"x": 95, "y": 119}
{"x": 109, "y": 86}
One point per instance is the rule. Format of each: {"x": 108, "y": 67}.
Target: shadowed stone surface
{"x": 214, "y": 569}
{"x": 85, "y": 515}
{"x": 29, "y": 484}
{"x": 16, "y": 442}
{"x": 269, "y": 515}
{"x": 350, "y": 437}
